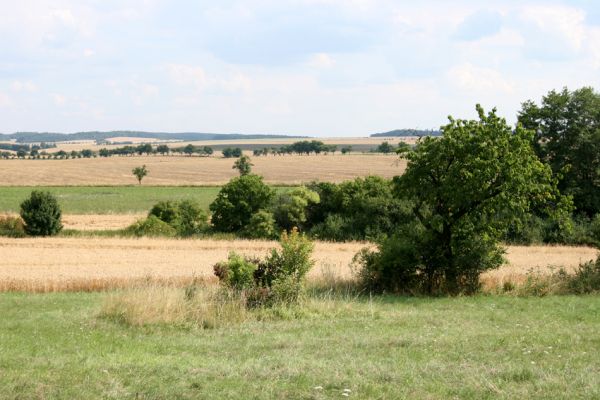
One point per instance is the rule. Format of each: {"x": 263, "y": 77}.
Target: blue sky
{"x": 313, "y": 67}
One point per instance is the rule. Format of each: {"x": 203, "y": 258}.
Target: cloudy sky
{"x": 313, "y": 67}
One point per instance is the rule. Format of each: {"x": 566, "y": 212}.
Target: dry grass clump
{"x": 205, "y": 306}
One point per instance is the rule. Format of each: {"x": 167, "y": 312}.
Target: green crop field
{"x": 108, "y": 199}
{"x": 56, "y": 346}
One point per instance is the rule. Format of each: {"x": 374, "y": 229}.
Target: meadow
{"x": 60, "y": 346}
{"x": 185, "y": 171}
{"x": 107, "y": 199}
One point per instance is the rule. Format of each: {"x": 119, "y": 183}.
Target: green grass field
{"x": 108, "y": 199}
{"x": 55, "y": 346}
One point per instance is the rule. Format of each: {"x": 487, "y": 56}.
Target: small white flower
{"x": 345, "y": 394}
{"x": 318, "y": 388}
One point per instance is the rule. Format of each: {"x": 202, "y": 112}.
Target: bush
{"x": 192, "y": 219}
{"x": 261, "y": 226}
{"x": 237, "y": 272}
{"x": 166, "y": 211}
{"x": 186, "y": 217}
{"x": 41, "y": 214}
{"x": 12, "y": 227}
{"x": 365, "y": 208}
{"x": 586, "y": 279}
{"x": 277, "y": 279}
{"x": 238, "y": 200}
{"x": 291, "y": 208}
{"x": 151, "y": 226}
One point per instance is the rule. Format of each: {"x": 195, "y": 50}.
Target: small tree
{"x": 41, "y": 214}
{"x": 140, "y": 173}
{"x": 238, "y": 200}
{"x": 243, "y": 165}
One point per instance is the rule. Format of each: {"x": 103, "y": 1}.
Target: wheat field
{"x": 87, "y": 264}
{"x": 180, "y": 170}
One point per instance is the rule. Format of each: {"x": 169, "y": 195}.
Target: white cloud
{"x": 5, "y": 100}
{"x": 88, "y": 53}
{"x": 321, "y": 60}
{"x": 187, "y": 75}
{"x": 59, "y": 99}
{"x": 23, "y": 86}
{"x": 471, "y": 78}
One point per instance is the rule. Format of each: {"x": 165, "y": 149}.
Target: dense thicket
{"x": 41, "y": 214}
{"x": 567, "y": 137}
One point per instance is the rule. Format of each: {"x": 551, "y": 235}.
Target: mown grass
{"x": 57, "y": 346}
{"x": 108, "y": 199}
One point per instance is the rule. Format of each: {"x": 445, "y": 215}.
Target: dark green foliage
{"x": 238, "y": 200}
{"x": 365, "y": 208}
{"x": 140, "y": 173}
{"x": 467, "y": 188}
{"x": 186, "y": 217}
{"x": 243, "y": 165}
{"x": 261, "y": 226}
{"x": 41, "y": 214}
{"x": 151, "y": 226}
{"x": 567, "y": 127}
{"x": 385, "y": 148}
{"x": 231, "y": 152}
{"x": 166, "y": 211}
{"x": 12, "y": 227}
{"x": 192, "y": 219}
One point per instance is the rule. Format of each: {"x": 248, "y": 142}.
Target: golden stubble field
{"x": 62, "y": 264}
{"x": 340, "y": 141}
{"x": 180, "y": 170}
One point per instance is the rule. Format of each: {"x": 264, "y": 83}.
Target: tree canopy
{"x": 466, "y": 187}
{"x": 567, "y": 137}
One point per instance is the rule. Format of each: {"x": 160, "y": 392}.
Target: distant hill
{"x": 407, "y": 132}
{"x": 34, "y": 137}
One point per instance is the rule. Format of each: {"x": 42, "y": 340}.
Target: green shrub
{"x": 41, "y": 214}
{"x": 237, "y": 272}
{"x": 192, "y": 219}
{"x": 187, "y": 217}
{"x": 277, "y": 279}
{"x": 335, "y": 227}
{"x": 166, "y": 211}
{"x": 261, "y": 226}
{"x": 151, "y": 226}
{"x": 12, "y": 227}
{"x": 291, "y": 207}
{"x": 237, "y": 201}
{"x": 586, "y": 279}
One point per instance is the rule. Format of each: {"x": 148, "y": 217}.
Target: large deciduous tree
{"x": 466, "y": 187}
{"x": 567, "y": 137}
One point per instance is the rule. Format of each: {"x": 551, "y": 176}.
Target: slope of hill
{"x": 33, "y": 137}
{"x": 408, "y": 132}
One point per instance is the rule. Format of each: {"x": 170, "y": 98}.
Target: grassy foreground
{"x": 56, "y": 346}
{"x": 108, "y": 199}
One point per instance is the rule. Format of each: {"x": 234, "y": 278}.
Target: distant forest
{"x": 408, "y": 132}
{"x": 36, "y": 137}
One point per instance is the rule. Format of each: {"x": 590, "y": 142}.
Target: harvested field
{"x": 357, "y": 142}
{"x": 62, "y": 264}
{"x": 96, "y": 222}
{"x": 166, "y": 170}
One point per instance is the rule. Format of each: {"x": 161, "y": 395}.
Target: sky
{"x": 305, "y": 67}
